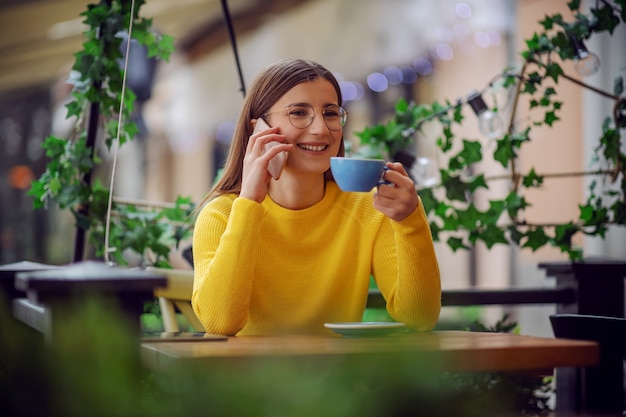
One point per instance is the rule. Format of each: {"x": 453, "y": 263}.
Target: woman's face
{"x": 316, "y": 143}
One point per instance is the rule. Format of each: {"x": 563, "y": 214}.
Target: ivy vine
{"x": 450, "y": 204}
{"x": 67, "y": 178}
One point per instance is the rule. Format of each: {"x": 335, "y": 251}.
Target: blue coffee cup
{"x": 357, "y": 174}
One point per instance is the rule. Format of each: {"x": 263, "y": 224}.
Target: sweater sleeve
{"x": 406, "y": 271}
{"x": 225, "y": 252}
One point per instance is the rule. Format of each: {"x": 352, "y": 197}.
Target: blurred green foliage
{"x": 93, "y": 368}
{"x": 148, "y": 233}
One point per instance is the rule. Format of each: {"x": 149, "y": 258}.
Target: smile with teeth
{"x": 315, "y": 148}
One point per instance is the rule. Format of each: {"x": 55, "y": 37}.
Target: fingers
{"x": 261, "y": 148}
{"x": 398, "y": 177}
{"x": 257, "y": 140}
{"x": 398, "y": 200}
{"x": 264, "y": 142}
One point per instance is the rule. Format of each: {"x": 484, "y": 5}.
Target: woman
{"x": 288, "y": 255}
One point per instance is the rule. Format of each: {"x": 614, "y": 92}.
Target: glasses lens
{"x": 335, "y": 117}
{"x": 301, "y": 115}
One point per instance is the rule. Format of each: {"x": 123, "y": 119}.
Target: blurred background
{"x": 380, "y": 50}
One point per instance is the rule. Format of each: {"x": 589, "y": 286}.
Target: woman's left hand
{"x": 399, "y": 199}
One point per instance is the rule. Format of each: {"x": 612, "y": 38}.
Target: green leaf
{"x": 574, "y": 5}
{"x": 618, "y": 210}
{"x": 515, "y": 235}
{"x": 586, "y": 213}
{"x": 428, "y": 199}
{"x": 451, "y": 223}
{"x": 471, "y": 153}
{"x": 515, "y": 203}
{"x": 455, "y": 188}
{"x": 478, "y": 182}
{"x": 550, "y": 118}
{"x": 532, "y": 179}
{"x": 442, "y": 209}
{"x": 457, "y": 115}
{"x": 504, "y": 152}
{"x": 606, "y": 20}
{"x": 55, "y": 186}
{"x": 596, "y": 216}
{"x": 493, "y": 214}
{"x": 469, "y": 219}
{"x": 93, "y": 47}
{"x": 554, "y": 70}
{"x": 549, "y": 92}
{"x": 564, "y": 233}
{"x": 618, "y": 85}
{"x": 38, "y": 191}
{"x": 455, "y": 244}
{"x": 165, "y": 48}
{"x": 434, "y": 231}
{"x": 492, "y": 235}
{"x": 401, "y": 106}
{"x": 547, "y": 23}
{"x": 535, "y": 239}
{"x": 529, "y": 87}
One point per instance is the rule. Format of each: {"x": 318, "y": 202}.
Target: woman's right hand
{"x": 255, "y": 176}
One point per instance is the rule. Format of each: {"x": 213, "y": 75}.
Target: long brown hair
{"x": 267, "y": 88}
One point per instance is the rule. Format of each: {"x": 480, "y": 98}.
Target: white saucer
{"x": 365, "y": 328}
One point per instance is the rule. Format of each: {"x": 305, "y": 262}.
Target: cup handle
{"x": 382, "y": 181}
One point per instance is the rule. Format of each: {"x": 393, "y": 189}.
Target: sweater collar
{"x": 331, "y": 194}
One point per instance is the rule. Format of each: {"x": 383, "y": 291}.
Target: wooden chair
{"x": 176, "y": 296}
{"x": 601, "y": 388}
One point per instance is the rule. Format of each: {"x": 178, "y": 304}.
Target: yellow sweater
{"x": 261, "y": 269}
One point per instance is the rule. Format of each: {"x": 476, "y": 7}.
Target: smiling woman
{"x": 288, "y": 255}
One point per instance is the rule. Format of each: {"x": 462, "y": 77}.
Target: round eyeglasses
{"x": 302, "y": 115}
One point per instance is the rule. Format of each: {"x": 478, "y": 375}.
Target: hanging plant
{"x": 450, "y": 204}
{"x": 96, "y": 106}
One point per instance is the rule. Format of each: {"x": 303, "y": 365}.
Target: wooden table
{"x": 405, "y": 374}
{"x": 449, "y": 350}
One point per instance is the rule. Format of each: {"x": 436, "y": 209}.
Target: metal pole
{"x": 233, "y": 42}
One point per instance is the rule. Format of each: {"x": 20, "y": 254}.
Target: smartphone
{"x": 277, "y": 163}
{"x": 152, "y": 337}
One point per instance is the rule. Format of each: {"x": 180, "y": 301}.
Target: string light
{"x": 489, "y": 123}
{"x": 586, "y": 63}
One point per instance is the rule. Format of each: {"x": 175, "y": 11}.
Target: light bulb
{"x": 489, "y": 123}
{"x": 425, "y": 172}
{"x": 586, "y": 63}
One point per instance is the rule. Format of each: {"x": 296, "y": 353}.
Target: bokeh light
{"x": 377, "y": 82}
{"x": 463, "y": 10}
{"x": 443, "y": 51}
{"x": 423, "y": 66}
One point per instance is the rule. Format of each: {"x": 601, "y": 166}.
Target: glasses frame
{"x": 343, "y": 115}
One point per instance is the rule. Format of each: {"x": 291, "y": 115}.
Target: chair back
{"x": 176, "y": 296}
{"x": 609, "y": 332}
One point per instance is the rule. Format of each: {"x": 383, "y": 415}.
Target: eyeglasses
{"x": 302, "y": 115}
